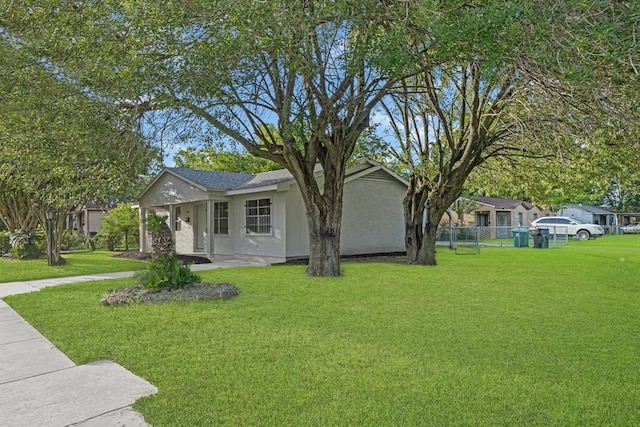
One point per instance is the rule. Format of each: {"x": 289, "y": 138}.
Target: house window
{"x": 482, "y": 219}
{"x": 258, "y": 216}
{"x": 221, "y": 218}
{"x": 178, "y": 223}
{"x": 520, "y": 218}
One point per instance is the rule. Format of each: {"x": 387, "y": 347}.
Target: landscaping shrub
{"x": 120, "y": 224}
{"x": 167, "y": 273}
{"x": 73, "y": 240}
{"x": 109, "y": 235}
{"x": 5, "y": 242}
{"x": 161, "y": 238}
{"x": 26, "y": 244}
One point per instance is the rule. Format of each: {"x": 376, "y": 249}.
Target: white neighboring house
{"x": 591, "y": 215}
{"x": 262, "y": 216}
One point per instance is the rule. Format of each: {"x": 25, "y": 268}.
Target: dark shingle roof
{"x": 503, "y": 203}
{"x": 214, "y": 180}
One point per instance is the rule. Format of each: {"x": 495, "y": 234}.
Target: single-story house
{"x": 495, "y": 213}
{"x": 262, "y": 216}
{"x": 626, "y": 218}
{"x": 87, "y": 218}
{"x": 591, "y": 214}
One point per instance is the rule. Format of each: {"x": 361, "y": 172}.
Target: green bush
{"x": 167, "y": 273}
{"x": 155, "y": 221}
{"x": 73, "y": 240}
{"x": 5, "y": 242}
{"x": 120, "y": 224}
{"x": 26, "y": 244}
{"x": 90, "y": 242}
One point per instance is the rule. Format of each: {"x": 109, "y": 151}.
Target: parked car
{"x": 632, "y": 228}
{"x": 565, "y": 225}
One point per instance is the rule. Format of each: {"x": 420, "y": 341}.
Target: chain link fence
{"x": 471, "y": 239}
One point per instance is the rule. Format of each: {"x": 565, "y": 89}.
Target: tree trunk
{"x": 324, "y": 246}
{"x": 429, "y": 244}
{"x": 420, "y": 235}
{"x": 413, "y": 240}
{"x": 414, "y": 207}
{"x": 54, "y": 256}
{"x": 324, "y": 218}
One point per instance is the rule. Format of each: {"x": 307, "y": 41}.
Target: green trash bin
{"x": 520, "y": 237}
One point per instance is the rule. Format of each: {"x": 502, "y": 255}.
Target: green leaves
{"x": 167, "y": 273}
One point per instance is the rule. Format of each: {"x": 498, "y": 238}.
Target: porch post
{"x": 209, "y": 231}
{"x": 142, "y": 229}
{"x": 172, "y": 223}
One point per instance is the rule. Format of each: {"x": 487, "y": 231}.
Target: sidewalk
{"x": 41, "y": 386}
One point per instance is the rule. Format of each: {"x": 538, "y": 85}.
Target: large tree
{"x": 59, "y": 145}
{"x": 505, "y": 96}
{"x": 310, "y": 70}
{"x": 447, "y": 121}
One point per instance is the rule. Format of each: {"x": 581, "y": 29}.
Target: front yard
{"x": 78, "y": 264}
{"x": 507, "y": 337}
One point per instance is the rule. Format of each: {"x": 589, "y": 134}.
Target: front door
{"x": 199, "y": 228}
{"x": 503, "y": 223}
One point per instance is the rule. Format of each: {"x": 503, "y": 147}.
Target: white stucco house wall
{"x": 262, "y": 216}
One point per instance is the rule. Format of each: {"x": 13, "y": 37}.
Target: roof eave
{"x": 260, "y": 189}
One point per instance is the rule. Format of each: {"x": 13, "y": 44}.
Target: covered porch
{"x": 190, "y": 224}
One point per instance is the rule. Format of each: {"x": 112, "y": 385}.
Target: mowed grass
{"x": 507, "y": 337}
{"x": 78, "y": 264}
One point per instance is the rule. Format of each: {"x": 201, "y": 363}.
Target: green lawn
{"x": 78, "y": 264}
{"x": 507, "y": 337}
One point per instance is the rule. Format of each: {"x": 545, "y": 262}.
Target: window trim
{"x": 259, "y": 228}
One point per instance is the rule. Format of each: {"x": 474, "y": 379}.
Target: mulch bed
{"x": 146, "y": 256}
{"x": 199, "y": 292}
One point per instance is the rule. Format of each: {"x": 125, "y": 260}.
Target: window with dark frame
{"x": 221, "y": 218}
{"x": 482, "y": 219}
{"x": 258, "y": 216}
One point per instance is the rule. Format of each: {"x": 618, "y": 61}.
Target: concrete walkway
{"x": 41, "y": 386}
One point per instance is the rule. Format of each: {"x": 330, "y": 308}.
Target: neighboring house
{"x": 591, "y": 214}
{"x": 496, "y": 213}
{"x": 263, "y": 215}
{"x": 628, "y": 217}
{"x": 86, "y": 219}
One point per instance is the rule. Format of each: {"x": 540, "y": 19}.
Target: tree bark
{"x": 324, "y": 219}
{"x": 434, "y": 215}
{"x": 420, "y": 238}
{"x": 424, "y": 206}
{"x": 414, "y": 207}
{"x": 54, "y": 255}
{"x": 413, "y": 240}
{"x": 324, "y": 246}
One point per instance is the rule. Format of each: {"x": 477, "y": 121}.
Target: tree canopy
{"x": 59, "y": 146}
{"x": 296, "y": 83}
